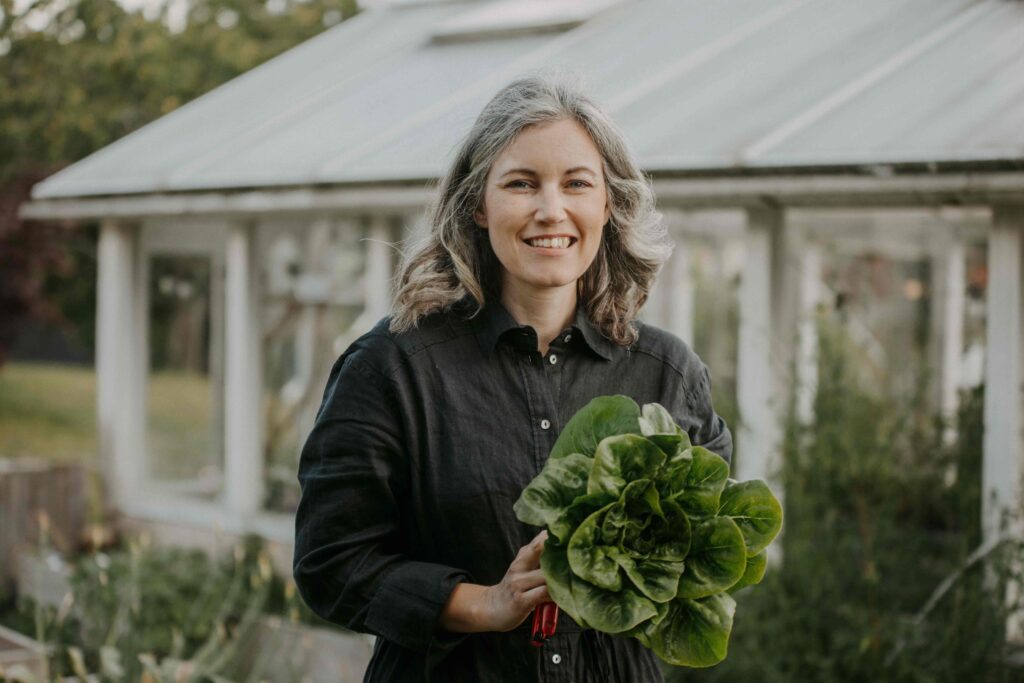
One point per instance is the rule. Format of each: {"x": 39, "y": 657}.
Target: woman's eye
{"x": 575, "y": 184}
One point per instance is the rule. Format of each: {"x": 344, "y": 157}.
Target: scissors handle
{"x": 545, "y": 619}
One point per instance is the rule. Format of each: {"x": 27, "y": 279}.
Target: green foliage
{"x": 648, "y": 536}
{"x": 167, "y": 611}
{"x": 880, "y": 512}
{"x": 95, "y": 72}
{"x": 76, "y": 76}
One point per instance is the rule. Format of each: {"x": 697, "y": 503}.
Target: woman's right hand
{"x": 522, "y": 589}
{"x": 472, "y": 608}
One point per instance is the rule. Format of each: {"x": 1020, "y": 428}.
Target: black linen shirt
{"x": 423, "y": 442}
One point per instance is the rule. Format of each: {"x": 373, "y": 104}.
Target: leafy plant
{"x": 160, "y": 613}
{"x": 648, "y": 535}
{"x": 884, "y": 572}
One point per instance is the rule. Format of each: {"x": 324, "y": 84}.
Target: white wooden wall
{"x": 122, "y": 367}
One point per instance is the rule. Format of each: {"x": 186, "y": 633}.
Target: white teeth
{"x": 557, "y": 243}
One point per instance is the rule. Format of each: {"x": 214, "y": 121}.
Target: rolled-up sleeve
{"x": 351, "y": 562}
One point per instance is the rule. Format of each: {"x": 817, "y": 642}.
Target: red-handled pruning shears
{"x": 545, "y": 618}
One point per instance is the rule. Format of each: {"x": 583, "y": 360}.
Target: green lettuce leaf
{"x": 603, "y": 416}
{"x": 756, "y": 566}
{"x": 654, "y": 419}
{"x": 621, "y": 459}
{"x": 611, "y": 611}
{"x": 554, "y": 564}
{"x": 657, "y": 579}
{"x": 755, "y": 510}
{"x": 692, "y": 633}
{"x": 588, "y": 557}
{"x": 581, "y": 508}
{"x": 544, "y": 501}
{"x": 701, "y": 491}
{"x": 717, "y": 559}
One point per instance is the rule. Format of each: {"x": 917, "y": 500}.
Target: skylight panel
{"x": 505, "y": 18}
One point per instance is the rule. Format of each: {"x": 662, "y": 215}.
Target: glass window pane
{"x": 313, "y": 289}
{"x": 716, "y": 268}
{"x": 183, "y": 424}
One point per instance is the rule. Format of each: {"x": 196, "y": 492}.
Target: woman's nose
{"x": 551, "y": 207}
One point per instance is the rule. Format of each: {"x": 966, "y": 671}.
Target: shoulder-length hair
{"x": 452, "y": 261}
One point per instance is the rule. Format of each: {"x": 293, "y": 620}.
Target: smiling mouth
{"x": 557, "y": 244}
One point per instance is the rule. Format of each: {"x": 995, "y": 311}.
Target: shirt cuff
{"x": 407, "y": 607}
{"x": 722, "y": 442}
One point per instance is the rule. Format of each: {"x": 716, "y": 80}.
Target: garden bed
{"x": 20, "y": 656}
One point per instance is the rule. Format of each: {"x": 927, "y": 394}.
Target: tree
{"x": 75, "y": 77}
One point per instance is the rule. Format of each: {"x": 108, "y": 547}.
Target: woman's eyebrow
{"x": 530, "y": 171}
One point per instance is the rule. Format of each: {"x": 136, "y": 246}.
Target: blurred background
{"x": 201, "y": 207}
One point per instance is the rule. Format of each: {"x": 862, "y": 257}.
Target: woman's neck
{"x": 548, "y": 311}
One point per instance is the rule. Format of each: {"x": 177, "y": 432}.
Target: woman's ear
{"x": 481, "y": 218}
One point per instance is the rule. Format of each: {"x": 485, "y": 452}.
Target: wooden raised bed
{"x": 20, "y": 657}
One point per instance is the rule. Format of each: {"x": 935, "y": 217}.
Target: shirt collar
{"x": 494, "y": 321}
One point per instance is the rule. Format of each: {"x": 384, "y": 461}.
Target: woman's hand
{"x": 472, "y": 608}
{"x": 523, "y": 588}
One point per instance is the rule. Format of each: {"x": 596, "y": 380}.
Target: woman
{"x": 515, "y": 309}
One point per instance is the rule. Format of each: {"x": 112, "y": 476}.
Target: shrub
{"x": 875, "y": 523}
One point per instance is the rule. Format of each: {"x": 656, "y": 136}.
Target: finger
{"x": 531, "y": 579}
{"x": 531, "y": 558}
{"x": 537, "y": 596}
{"x": 528, "y": 555}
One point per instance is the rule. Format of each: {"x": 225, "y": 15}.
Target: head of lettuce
{"x": 647, "y": 534}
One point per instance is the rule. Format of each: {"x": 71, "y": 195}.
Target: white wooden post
{"x": 681, "y": 293}
{"x": 755, "y": 436}
{"x": 243, "y": 424}
{"x": 807, "y": 331}
{"x": 1003, "y": 449}
{"x": 653, "y": 312}
{"x": 947, "y": 323}
{"x": 769, "y": 306}
{"x": 120, "y": 360}
{"x": 379, "y": 270}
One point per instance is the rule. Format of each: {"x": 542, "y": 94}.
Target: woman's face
{"x": 549, "y": 183}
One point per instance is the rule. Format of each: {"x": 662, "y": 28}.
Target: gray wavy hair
{"x": 452, "y": 264}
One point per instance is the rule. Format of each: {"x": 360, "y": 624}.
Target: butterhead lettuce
{"x": 647, "y": 534}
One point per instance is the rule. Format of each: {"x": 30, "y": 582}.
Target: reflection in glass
{"x": 717, "y": 265}
{"x": 883, "y": 303}
{"x": 183, "y": 426}
{"x": 313, "y": 286}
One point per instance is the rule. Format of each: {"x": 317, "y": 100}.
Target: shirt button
{"x": 567, "y": 338}
{"x": 544, "y": 424}
{"x": 556, "y": 658}
{"x": 553, "y": 359}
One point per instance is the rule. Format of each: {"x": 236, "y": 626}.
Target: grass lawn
{"x": 48, "y": 411}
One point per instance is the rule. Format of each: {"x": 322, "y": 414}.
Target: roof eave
{"x": 879, "y": 185}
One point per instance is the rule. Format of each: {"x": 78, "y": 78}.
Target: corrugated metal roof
{"x": 696, "y": 85}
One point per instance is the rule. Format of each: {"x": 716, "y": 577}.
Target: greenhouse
{"x": 806, "y": 155}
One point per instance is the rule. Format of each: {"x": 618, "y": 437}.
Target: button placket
{"x": 542, "y": 400}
